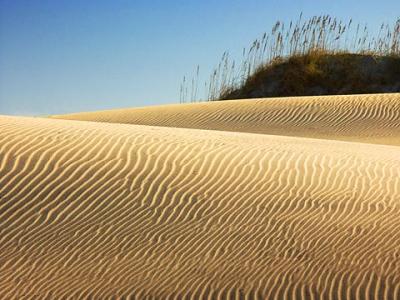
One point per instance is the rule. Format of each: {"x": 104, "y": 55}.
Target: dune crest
{"x": 99, "y": 210}
{"x": 373, "y": 118}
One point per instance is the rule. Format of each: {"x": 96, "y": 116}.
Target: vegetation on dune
{"x": 321, "y": 55}
{"x": 321, "y": 73}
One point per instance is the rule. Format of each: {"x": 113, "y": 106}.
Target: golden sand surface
{"x": 99, "y": 210}
{"x": 373, "y": 118}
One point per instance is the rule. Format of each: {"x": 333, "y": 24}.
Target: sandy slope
{"x": 362, "y": 118}
{"x": 100, "y": 210}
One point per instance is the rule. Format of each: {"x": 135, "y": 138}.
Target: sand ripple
{"x": 373, "y": 118}
{"x": 106, "y": 211}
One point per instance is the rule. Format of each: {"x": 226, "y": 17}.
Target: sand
{"x": 105, "y": 210}
{"x": 370, "y": 118}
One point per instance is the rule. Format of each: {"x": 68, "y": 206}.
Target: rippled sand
{"x": 105, "y": 210}
{"x": 371, "y": 118}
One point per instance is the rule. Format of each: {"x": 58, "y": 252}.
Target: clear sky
{"x": 60, "y": 56}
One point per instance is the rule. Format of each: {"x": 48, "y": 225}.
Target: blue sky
{"x": 68, "y": 56}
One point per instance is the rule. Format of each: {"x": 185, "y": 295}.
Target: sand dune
{"x": 360, "y": 118}
{"x": 99, "y": 210}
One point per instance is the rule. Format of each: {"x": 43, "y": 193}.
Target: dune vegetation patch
{"x": 321, "y": 73}
{"x": 321, "y": 55}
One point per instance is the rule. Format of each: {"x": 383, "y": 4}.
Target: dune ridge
{"x": 372, "y": 118}
{"x": 100, "y": 210}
